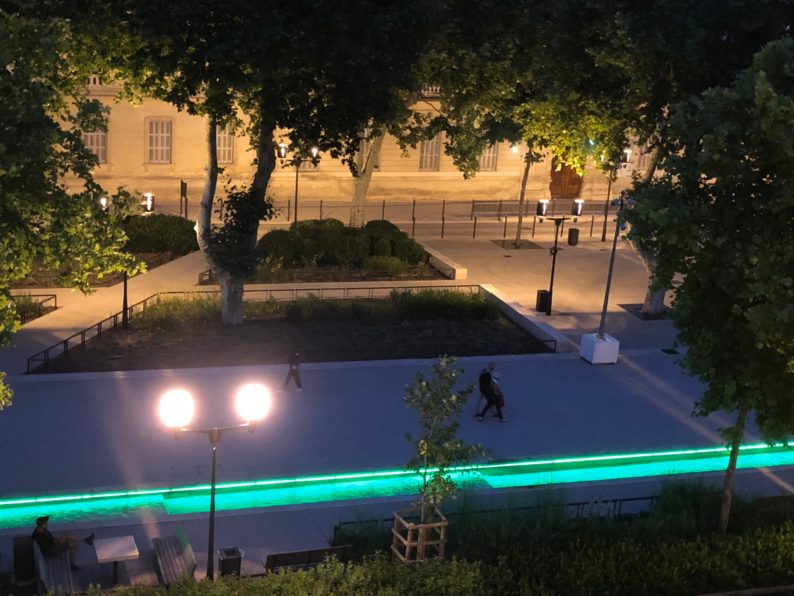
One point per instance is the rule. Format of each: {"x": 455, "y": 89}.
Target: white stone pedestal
{"x": 599, "y": 351}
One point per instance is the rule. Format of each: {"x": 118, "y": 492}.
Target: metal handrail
{"x": 45, "y": 298}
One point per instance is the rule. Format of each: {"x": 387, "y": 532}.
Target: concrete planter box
{"x": 599, "y": 351}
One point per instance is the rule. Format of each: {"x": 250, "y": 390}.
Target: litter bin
{"x": 543, "y": 300}
{"x": 230, "y": 560}
{"x": 573, "y": 236}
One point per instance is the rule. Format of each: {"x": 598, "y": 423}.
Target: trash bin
{"x": 573, "y": 236}
{"x": 543, "y": 300}
{"x": 230, "y": 560}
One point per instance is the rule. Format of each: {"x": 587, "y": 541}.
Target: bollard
{"x": 474, "y": 230}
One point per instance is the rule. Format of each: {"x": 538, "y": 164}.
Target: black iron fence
{"x": 604, "y": 508}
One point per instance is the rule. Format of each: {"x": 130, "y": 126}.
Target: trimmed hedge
{"x": 160, "y": 233}
{"x": 329, "y": 243}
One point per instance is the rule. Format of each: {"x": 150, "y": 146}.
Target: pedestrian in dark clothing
{"x": 294, "y": 371}
{"x": 51, "y": 546}
{"x": 496, "y": 399}
{"x": 486, "y": 375}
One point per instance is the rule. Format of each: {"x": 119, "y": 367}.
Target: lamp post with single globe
{"x": 176, "y": 411}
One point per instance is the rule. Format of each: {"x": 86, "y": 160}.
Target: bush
{"x": 171, "y": 313}
{"x": 281, "y": 245}
{"x": 160, "y": 233}
{"x": 385, "y": 266}
{"x": 439, "y": 304}
{"x": 358, "y": 242}
{"x": 312, "y": 227}
{"x": 381, "y": 228}
{"x": 27, "y": 308}
{"x": 381, "y": 247}
{"x": 408, "y": 250}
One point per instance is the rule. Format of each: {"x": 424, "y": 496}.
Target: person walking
{"x": 294, "y": 374}
{"x": 51, "y": 546}
{"x": 496, "y": 399}
{"x": 486, "y": 375}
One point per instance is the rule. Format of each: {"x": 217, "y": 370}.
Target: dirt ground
{"x": 270, "y": 341}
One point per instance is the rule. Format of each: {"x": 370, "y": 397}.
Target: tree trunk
{"x": 653, "y": 305}
{"x": 231, "y": 297}
{"x": 366, "y": 167}
{"x": 204, "y": 220}
{"x": 527, "y": 164}
{"x": 737, "y": 434}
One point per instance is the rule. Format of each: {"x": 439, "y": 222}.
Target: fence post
{"x": 504, "y": 232}
{"x": 471, "y": 215}
{"x": 499, "y": 212}
{"x": 383, "y": 209}
{"x": 534, "y": 220}
{"x": 562, "y": 226}
{"x": 474, "y": 230}
{"x": 289, "y": 210}
{"x": 413, "y": 211}
{"x": 413, "y": 226}
{"x": 592, "y": 223}
{"x": 321, "y": 208}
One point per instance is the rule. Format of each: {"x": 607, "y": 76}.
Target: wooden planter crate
{"x": 413, "y": 541}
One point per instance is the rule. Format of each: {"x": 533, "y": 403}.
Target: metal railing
{"x": 43, "y": 299}
{"x": 611, "y": 508}
{"x": 84, "y": 336}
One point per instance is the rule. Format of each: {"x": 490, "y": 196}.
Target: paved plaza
{"x": 100, "y": 431}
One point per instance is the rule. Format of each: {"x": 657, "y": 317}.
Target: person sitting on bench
{"x": 51, "y": 546}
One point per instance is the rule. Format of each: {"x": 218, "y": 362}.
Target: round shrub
{"x": 408, "y": 250}
{"x": 311, "y": 228}
{"x": 381, "y": 247}
{"x": 358, "y": 243}
{"x": 160, "y": 233}
{"x": 385, "y": 266}
{"x": 278, "y": 244}
{"x": 381, "y": 228}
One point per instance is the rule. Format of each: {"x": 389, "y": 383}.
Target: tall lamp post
{"x": 282, "y": 153}
{"x": 176, "y": 411}
{"x": 601, "y": 348}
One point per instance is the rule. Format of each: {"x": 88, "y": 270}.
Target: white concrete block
{"x": 599, "y": 351}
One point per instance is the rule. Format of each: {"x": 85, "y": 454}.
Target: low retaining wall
{"x": 526, "y": 320}
{"x": 447, "y": 267}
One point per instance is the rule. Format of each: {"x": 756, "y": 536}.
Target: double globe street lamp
{"x": 176, "y": 411}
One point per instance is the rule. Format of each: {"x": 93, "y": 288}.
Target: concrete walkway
{"x": 100, "y": 430}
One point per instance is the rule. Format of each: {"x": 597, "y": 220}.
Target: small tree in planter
{"x": 438, "y": 449}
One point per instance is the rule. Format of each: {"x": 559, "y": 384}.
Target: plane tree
{"x": 721, "y": 219}
{"x": 311, "y": 74}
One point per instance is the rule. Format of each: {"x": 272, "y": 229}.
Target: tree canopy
{"x": 722, "y": 219}
{"x": 43, "y": 113}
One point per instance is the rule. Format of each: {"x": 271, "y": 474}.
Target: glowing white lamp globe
{"x": 176, "y": 408}
{"x": 253, "y": 402}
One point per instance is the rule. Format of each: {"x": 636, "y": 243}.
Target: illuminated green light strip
{"x": 362, "y": 485}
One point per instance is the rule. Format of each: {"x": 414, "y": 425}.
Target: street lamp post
{"x": 554, "y": 250}
{"x": 282, "y": 153}
{"x": 601, "y": 348}
{"x": 606, "y": 204}
{"x": 176, "y": 411}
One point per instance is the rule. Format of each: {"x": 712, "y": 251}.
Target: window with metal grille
{"x": 488, "y": 158}
{"x": 429, "y": 154}
{"x": 97, "y": 143}
{"x": 158, "y": 141}
{"x": 225, "y": 144}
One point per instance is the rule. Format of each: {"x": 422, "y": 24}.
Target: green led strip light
{"x": 386, "y": 483}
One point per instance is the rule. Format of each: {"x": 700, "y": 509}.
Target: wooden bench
{"x": 305, "y": 559}
{"x": 54, "y": 574}
{"x": 175, "y": 558}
